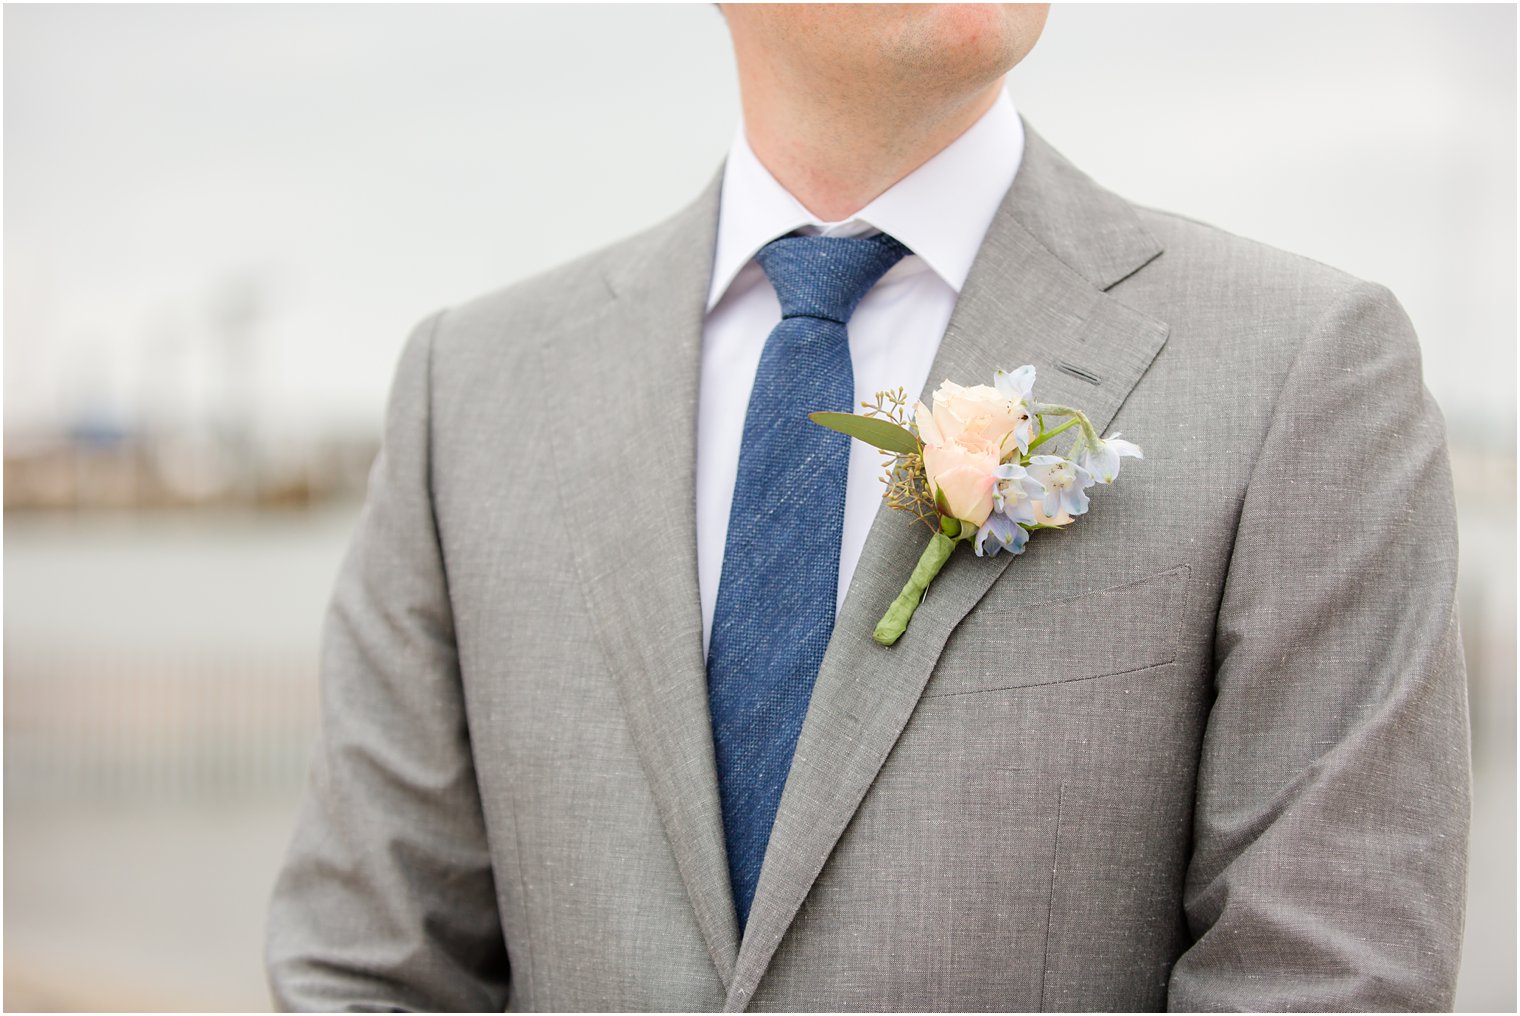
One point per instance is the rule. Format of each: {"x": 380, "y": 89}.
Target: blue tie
{"x": 780, "y": 578}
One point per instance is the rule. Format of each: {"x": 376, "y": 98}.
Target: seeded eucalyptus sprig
{"x": 907, "y": 485}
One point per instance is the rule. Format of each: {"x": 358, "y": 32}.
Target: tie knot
{"x": 827, "y": 276}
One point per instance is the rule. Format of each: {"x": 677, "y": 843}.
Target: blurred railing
{"x": 82, "y": 724}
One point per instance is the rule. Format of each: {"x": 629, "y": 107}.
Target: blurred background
{"x": 220, "y": 222}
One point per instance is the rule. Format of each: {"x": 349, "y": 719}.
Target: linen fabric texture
{"x": 1205, "y": 749}
{"x": 775, "y": 609}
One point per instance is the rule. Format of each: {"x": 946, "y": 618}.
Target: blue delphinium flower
{"x": 1015, "y": 386}
{"x": 1065, "y": 484}
{"x": 1103, "y": 461}
{"x": 1013, "y": 502}
{"x": 1000, "y": 532}
{"x": 1014, "y": 491}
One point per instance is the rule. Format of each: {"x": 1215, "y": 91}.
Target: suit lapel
{"x": 634, "y": 365}
{"x": 1035, "y": 294}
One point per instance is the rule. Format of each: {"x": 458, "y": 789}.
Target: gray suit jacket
{"x": 1207, "y": 748}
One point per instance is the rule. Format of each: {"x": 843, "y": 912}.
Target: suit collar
{"x": 941, "y": 210}
{"x": 1092, "y": 231}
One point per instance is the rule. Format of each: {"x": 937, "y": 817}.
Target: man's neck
{"x": 836, "y": 160}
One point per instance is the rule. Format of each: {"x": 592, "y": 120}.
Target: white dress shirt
{"x": 941, "y": 211}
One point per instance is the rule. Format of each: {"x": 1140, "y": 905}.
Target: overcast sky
{"x": 355, "y": 167}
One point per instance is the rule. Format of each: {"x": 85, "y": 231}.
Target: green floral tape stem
{"x": 895, "y": 621}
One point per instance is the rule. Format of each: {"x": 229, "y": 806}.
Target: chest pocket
{"x": 1121, "y": 629}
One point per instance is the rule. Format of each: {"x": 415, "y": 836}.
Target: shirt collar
{"x": 941, "y": 210}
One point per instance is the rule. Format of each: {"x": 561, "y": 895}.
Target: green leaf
{"x": 889, "y": 437}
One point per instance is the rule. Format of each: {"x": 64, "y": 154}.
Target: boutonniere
{"x": 972, "y": 470}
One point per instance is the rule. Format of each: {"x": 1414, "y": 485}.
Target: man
{"x": 596, "y": 737}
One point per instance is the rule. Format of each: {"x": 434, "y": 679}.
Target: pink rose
{"x": 979, "y": 411}
{"x": 962, "y": 472}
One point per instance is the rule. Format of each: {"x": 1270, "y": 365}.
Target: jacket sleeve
{"x": 1330, "y": 828}
{"x": 386, "y": 899}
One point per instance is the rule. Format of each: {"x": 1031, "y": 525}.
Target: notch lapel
{"x": 1035, "y": 294}
{"x": 636, "y": 359}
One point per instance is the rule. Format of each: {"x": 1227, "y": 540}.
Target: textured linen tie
{"x": 779, "y": 583}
